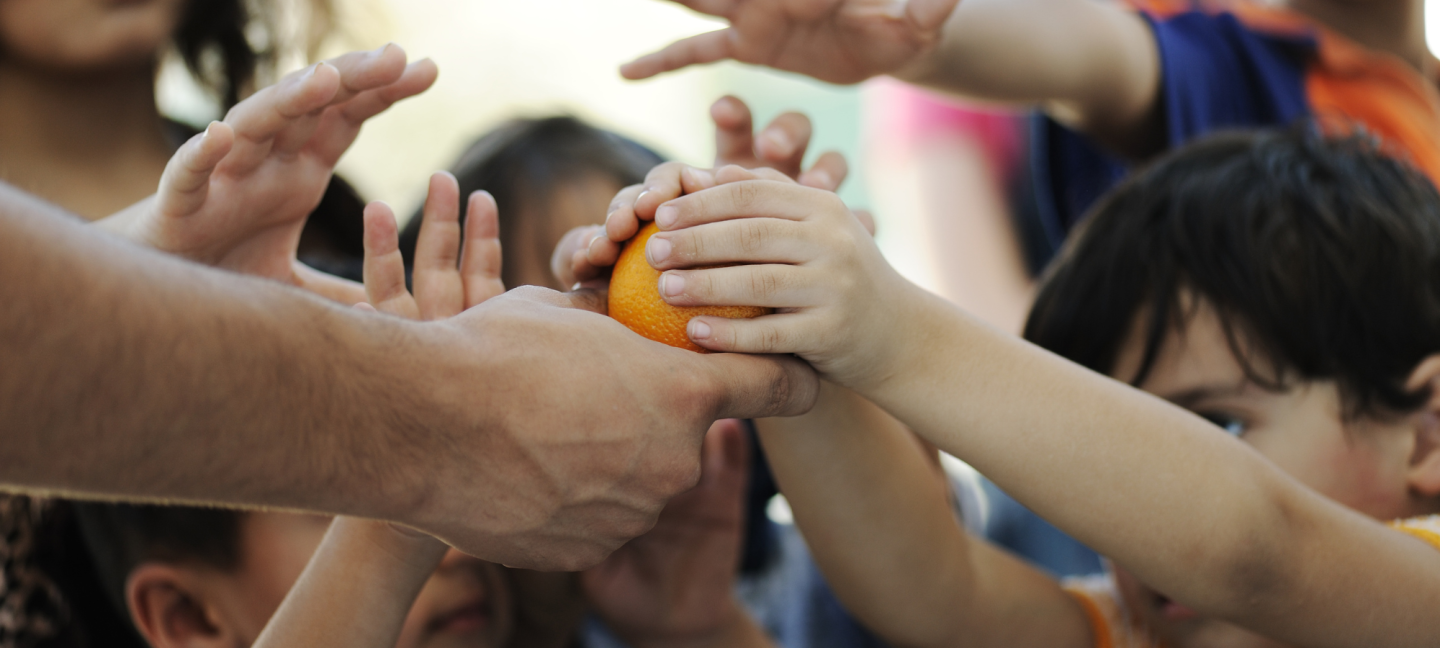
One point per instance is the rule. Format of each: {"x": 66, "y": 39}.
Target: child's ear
{"x": 168, "y": 608}
{"x": 1424, "y": 471}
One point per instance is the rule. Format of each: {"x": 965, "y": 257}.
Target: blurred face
{"x": 77, "y": 35}
{"x": 1360, "y": 464}
{"x": 583, "y": 202}
{"x": 466, "y": 603}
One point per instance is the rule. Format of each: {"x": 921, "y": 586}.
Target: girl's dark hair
{"x": 225, "y": 42}
{"x": 525, "y": 161}
{"x": 1321, "y": 256}
{"x": 66, "y": 563}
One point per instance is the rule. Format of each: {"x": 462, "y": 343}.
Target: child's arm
{"x": 881, "y": 529}
{"x": 1196, "y": 514}
{"x": 364, "y": 577}
{"x": 1092, "y": 65}
{"x": 237, "y": 195}
{"x": 674, "y": 586}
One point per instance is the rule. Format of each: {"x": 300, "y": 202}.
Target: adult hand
{"x": 238, "y": 195}
{"x": 839, "y": 41}
{"x": 591, "y": 430}
{"x": 674, "y": 584}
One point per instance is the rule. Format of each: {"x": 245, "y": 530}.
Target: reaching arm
{"x": 132, "y": 374}
{"x": 1193, "y": 513}
{"x": 1093, "y": 65}
{"x": 880, "y": 527}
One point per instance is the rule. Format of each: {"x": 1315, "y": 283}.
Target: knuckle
{"x": 753, "y": 235}
{"x": 764, "y": 285}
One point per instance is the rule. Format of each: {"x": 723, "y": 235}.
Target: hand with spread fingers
{"x": 237, "y": 196}
{"x": 839, "y": 41}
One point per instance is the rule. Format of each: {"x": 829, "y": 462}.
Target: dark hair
{"x": 1321, "y": 257}
{"x": 525, "y": 161}
{"x": 66, "y": 563}
{"x": 217, "y": 40}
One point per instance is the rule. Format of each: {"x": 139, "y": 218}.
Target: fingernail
{"x": 642, "y": 196}
{"x": 666, "y": 216}
{"x": 657, "y": 250}
{"x": 698, "y": 330}
{"x": 671, "y": 284}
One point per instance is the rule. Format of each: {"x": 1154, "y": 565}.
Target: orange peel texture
{"x": 635, "y": 299}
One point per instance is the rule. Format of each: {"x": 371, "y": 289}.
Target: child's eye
{"x": 1232, "y": 426}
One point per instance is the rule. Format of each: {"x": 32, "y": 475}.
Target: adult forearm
{"x": 130, "y": 374}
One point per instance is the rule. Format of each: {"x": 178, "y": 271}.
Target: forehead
{"x": 1193, "y": 353}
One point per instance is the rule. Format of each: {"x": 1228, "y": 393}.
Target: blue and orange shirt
{"x": 1235, "y": 65}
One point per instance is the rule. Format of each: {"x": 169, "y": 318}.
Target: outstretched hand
{"x": 238, "y": 195}
{"x": 450, "y": 276}
{"x": 839, "y": 41}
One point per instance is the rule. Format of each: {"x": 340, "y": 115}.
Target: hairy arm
{"x": 881, "y": 528}
{"x": 1092, "y": 66}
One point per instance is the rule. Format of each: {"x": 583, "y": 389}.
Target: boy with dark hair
{"x": 1284, "y": 288}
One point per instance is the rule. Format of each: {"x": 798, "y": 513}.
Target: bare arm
{"x": 1195, "y": 514}
{"x": 1093, "y": 65}
{"x": 131, "y": 374}
{"x": 881, "y": 529}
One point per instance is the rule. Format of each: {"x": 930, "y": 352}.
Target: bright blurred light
{"x": 1432, "y": 25}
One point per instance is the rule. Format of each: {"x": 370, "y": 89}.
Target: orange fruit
{"x": 635, "y": 299}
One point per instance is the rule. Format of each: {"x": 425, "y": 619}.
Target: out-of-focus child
{"x": 1131, "y": 78}
{"x": 1280, "y": 287}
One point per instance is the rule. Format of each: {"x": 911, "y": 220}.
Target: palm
{"x": 248, "y": 213}
{"x": 839, "y": 41}
{"x": 676, "y": 580}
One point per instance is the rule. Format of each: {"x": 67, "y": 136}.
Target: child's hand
{"x": 238, "y": 195}
{"x": 449, "y": 276}
{"x": 840, "y": 41}
{"x": 839, "y": 304}
{"x": 674, "y": 585}
{"x": 586, "y": 253}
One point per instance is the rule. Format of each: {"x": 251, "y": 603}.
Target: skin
{"x": 669, "y": 588}
{"x": 1093, "y": 66}
{"x": 1253, "y": 545}
{"x": 77, "y": 100}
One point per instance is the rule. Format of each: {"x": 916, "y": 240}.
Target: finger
{"x": 929, "y": 15}
{"x": 756, "y": 387}
{"x": 340, "y": 124}
{"x": 570, "y": 248}
{"x": 439, "y": 290}
{"x": 768, "y": 334}
{"x": 186, "y": 181}
{"x": 734, "y": 132}
{"x": 733, "y": 173}
{"x": 621, "y": 223}
{"x": 384, "y": 270}
{"x": 725, "y": 455}
{"x": 661, "y": 184}
{"x": 481, "y": 263}
{"x": 783, "y": 143}
{"x": 361, "y": 71}
{"x": 742, "y": 240}
{"x": 704, "y": 48}
{"x": 747, "y": 199}
{"x": 764, "y": 285}
{"x": 259, "y": 119}
{"x": 828, "y": 172}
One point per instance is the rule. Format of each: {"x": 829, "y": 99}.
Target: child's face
{"x": 584, "y": 201}
{"x": 1360, "y": 464}
{"x": 465, "y": 603}
{"x": 87, "y": 34}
